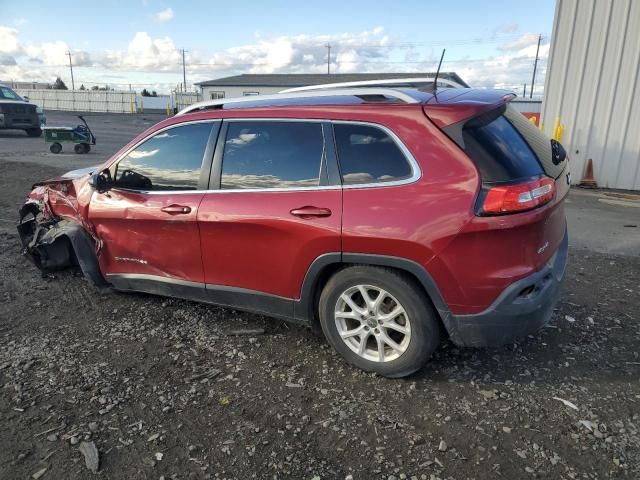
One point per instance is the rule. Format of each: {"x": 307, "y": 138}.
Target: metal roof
{"x": 291, "y": 80}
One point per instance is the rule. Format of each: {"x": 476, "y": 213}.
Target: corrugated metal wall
{"x": 593, "y": 86}
{"x": 82, "y": 100}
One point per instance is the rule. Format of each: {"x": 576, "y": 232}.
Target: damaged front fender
{"x": 53, "y": 243}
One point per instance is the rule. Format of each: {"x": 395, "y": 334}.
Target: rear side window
{"x": 498, "y": 150}
{"x": 265, "y": 154}
{"x": 367, "y": 154}
{"x": 170, "y": 160}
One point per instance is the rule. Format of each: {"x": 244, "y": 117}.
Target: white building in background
{"x": 265, "y": 84}
{"x": 593, "y": 86}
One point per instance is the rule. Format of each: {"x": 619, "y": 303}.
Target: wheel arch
{"x": 56, "y": 245}
{"x": 326, "y": 265}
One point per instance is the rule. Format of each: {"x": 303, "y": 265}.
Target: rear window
{"x": 368, "y": 154}
{"x": 506, "y": 147}
{"x": 498, "y": 150}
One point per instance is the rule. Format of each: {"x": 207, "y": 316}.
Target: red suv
{"x": 388, "y": 216}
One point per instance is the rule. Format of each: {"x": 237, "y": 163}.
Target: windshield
{"x": 7, "y": 93}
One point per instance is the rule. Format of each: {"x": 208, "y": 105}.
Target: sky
{"x": 489, "y": 43}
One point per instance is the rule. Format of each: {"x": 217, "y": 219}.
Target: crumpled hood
{"x": 68, "y": 177}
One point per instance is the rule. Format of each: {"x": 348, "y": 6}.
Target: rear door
{"x": 148, "y": 220}
{"x": 276, "y": 207}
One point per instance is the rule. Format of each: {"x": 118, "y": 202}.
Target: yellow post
{"x": 168, "y": 109}
{"x": 532, "y": 119}
{"x": 141, "y": 105}
{"x": 131, "y": 107}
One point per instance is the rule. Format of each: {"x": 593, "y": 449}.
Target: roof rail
{"x": 355, "y": 92}
{"x": 390, "y": 82}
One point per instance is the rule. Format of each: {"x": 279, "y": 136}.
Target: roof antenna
{"x": 435, "y": 80}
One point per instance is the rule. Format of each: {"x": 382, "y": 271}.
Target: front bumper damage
{"x": 52, "y": 243}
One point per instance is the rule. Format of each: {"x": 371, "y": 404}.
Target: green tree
{"x": 59, "y": 84}
{"x": 82, "y": 87}
{"x": 145, "y": 93}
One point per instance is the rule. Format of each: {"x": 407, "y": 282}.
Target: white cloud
{"x": 165, "y": 15}
{"x": 145, "y": 53}
{"x": 151, "y": 61}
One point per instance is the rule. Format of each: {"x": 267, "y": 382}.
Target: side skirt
{"x": 231, "y": 297}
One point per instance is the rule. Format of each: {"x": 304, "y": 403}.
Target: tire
{"x": 55, "y": 148}
{"x": 87, "y": 148}
{"x": 415, "y": 333}
{"x": 79, "y": 148}
{"x": 34, "y": 132}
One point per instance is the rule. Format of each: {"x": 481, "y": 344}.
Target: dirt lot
{"x": 165, "y": 389}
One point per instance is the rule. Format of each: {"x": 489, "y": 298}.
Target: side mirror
{"x": 100, "y": 182}
{"x": 26, "y": 99}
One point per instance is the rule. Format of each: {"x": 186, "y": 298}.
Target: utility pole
{"x": 73, "y": 84}
{"x": 524, "y": 91}
{"x": 184, "y": 72}
{"x": 535, "y": 66}
{"x": 328, "y": 45}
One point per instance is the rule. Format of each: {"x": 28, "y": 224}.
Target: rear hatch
{"x": 518, "y": 221}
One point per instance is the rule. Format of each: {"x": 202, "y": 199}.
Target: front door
{"x": 148, "y": 220}
{"x": 274, "y": 213}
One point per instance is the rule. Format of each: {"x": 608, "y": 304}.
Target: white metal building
{"x": 593, "y": 86}
{"x": 264, "y": 84}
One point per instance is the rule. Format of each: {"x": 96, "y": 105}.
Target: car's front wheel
{"x": 34, "y": 132}
{"x": 379, "y": 320}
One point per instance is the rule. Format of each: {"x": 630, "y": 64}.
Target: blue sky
{"x": 488, "y": 43}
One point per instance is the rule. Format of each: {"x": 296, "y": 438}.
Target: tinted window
{"x": 498, "y": 150}
{"x": 368, "y": 155}
{"x": 272, "y": 155}
{"x": 552, "y": 161}
{"x": 6, "y": 92}
{"x": 170, "y": 160}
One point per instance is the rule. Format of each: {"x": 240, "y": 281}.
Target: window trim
{"x": 205, "y": 166}
{"x": 215, "y": 163}
{"x": 416, "y": 172}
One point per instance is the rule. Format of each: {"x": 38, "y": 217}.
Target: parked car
{"x": 16, "y": 113}
{"x": 389, "y": 217}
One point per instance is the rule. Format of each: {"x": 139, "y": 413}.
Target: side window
{"x": 368, "y": 154}
{"x": 170, "y": 160}
{"x": 261, "y": 154}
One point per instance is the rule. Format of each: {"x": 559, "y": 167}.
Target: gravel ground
{"x": 164, "y": 388}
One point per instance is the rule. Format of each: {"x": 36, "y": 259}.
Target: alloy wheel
{"x": 372, "y": 323}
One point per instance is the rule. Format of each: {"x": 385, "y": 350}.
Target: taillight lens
{"x": 519, "y": 196}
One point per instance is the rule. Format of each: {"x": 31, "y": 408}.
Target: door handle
{"x": 176, "y": 209}
{"x": 310, "y": 212}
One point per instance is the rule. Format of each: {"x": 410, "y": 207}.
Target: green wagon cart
{"x": 81, "y": 135}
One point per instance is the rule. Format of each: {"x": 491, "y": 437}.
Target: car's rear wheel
{"x": 79, "y": 148}
{"x": 55, "y": 148}
{"x": 379, "y": 320}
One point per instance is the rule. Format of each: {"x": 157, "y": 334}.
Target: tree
{"x": 145, "y": 93}
{"x": 82, "y": 87}
{"x": 59, "y": 84}
{"x": 154, "y": 94}
{"x": 95, "y": 87}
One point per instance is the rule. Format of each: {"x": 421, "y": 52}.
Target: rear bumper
{"x": 523, "y": 308}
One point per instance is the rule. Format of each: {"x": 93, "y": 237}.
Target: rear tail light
{"x": 518, "y": 197}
